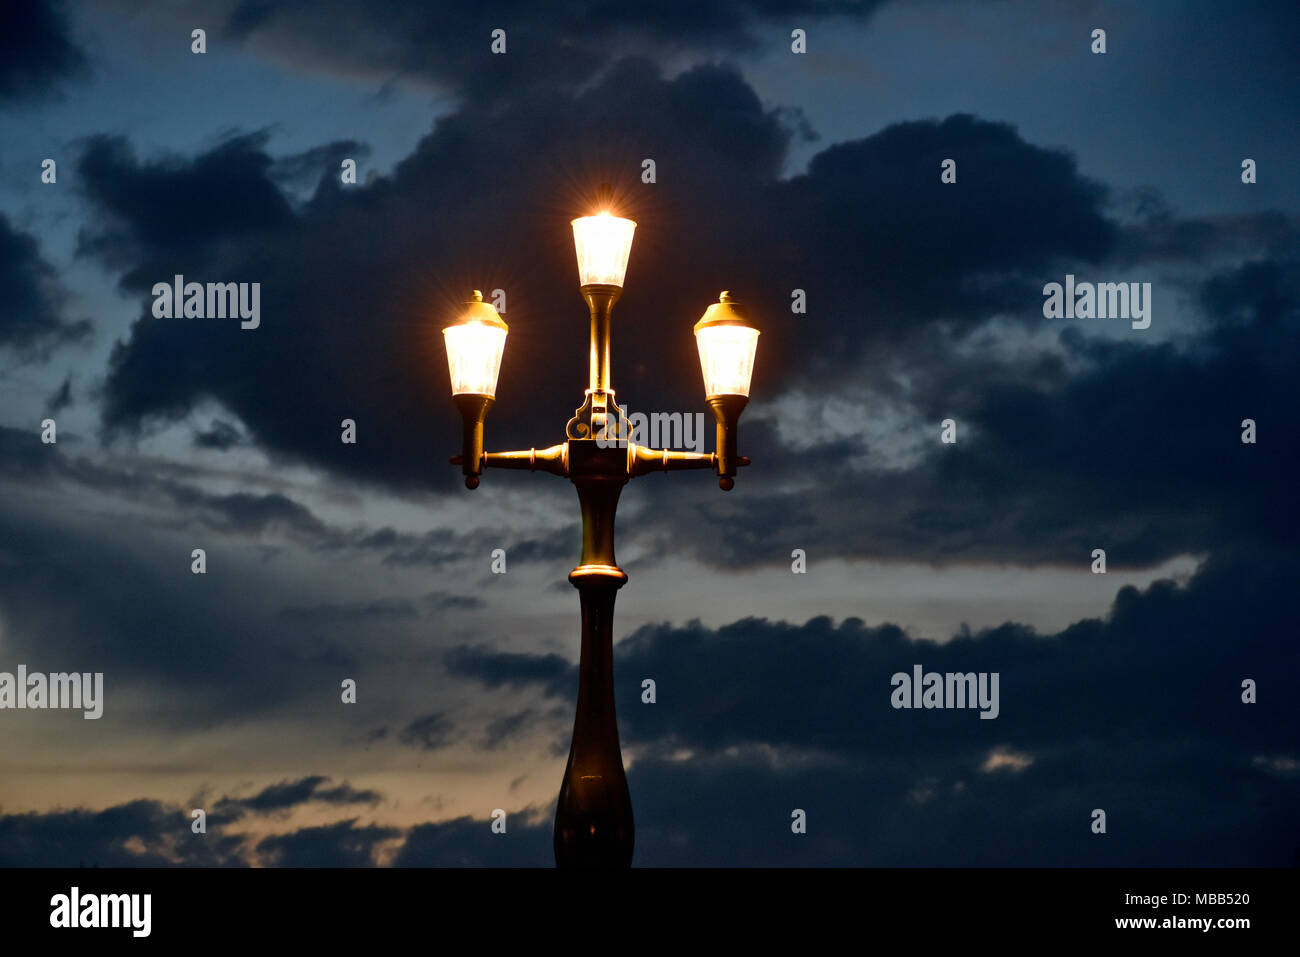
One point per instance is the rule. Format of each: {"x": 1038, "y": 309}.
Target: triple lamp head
{"x": 725, "y": 338}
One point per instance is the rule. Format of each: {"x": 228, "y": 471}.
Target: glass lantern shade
{"x": 474, "y": 347}
{"x": 727, "y": 358}
{"x": 727, "y": 343}
{"x": 603, "y": 243}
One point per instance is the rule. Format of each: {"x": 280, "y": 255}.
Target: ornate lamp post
{"x": 593, "y": 819}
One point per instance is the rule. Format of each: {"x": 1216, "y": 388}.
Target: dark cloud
{"x": 225, "y": 639}
{"x": 1174, "y": 807}
{"x": 221, "y": 436}
{"x": 1137, "y": 450}
{"x": 61, "y": 398}
{"x": 240, "y": 513}
{"x": 508, "y": 726}
{"x": 23, "y": 455}
{"x": 1157, "y": 235}
{"x": 32, "y": 319}
{"x": 290, "y": 794}
{"x": 245, "y": 512}
{"x": 254, "y": 515}
{"x": 469, "y": 842}
{"x": 37, "y": 54}
{"x": 146, "y": 833}
{"x": 176, "y": 208}
{"x": 429, "y": 732}
{"x": 343, "y": 844}
{"x": 884, "y": 245}
{"x": 711, "y": 684}
{"x": 136, "y": 612}
{"x": 567, "y": 43}
{"x": 495, "y": 669}
{"x": 139, "y": 833}
{"x": 758, "y": 718}
{"x": 311, "y": 167}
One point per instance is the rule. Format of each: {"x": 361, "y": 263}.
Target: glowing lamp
{"x": 475, "y": 342}
{"x": 727, "y": 343}
{"x": 603, "y": 242}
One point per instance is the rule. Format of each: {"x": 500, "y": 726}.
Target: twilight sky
{"x": 775, "y": 171}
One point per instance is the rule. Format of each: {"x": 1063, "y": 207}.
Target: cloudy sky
{"x": 775, "y": 171}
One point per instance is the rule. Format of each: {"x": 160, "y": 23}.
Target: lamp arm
{"x": 554, "y": 459}
{"x": 643, "y": 461}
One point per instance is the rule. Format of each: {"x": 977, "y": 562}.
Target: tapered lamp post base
{"x": 593, "y": 818}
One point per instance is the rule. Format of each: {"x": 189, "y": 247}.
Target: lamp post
{"x": 593, "y": 818}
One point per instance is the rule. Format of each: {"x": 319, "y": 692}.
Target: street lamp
{"x": 726, "y": 342}
{"x": 475, "y": 342}
{"x": 593, "y": 817}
